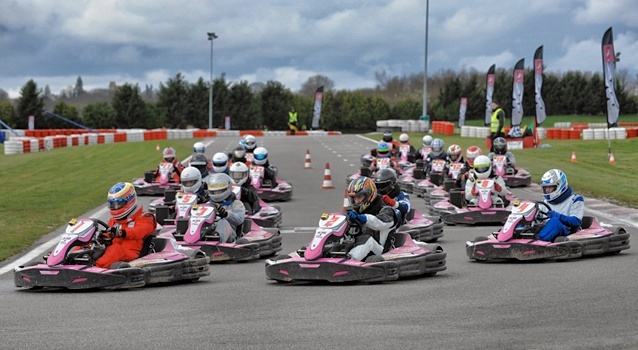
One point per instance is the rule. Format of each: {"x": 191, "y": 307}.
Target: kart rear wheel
{"x": 281, "y": 257}
{"x": 119, "y": 265}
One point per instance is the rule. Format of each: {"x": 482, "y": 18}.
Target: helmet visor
{"x": 549, "y": 189}
{"x": 481, "y": 168}
{"x": 169, "y": 159}
{"x": 236, "y": 175}
{"x": 117, "y": 203}
{"x": 189, "y": 183}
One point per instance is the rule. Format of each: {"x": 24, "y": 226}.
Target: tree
{"x": 7, "y": 113}
{"x": 130, "y": 108}
{"x": 99, "y": 116}
{"x": 29, "y": 104}
{"x": 311, "y": 85}
{"x": 242, "y": 110}
{"x": 65, "y": 110}
{"x": 79, "y": 87}
{"x": 198, "y": 97}
{"x": 3, "y": 95}
{"x": 275, "y": 103}
{"x": 173, "y": 102}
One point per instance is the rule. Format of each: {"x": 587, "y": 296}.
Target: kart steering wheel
{"x": 542, "y": 215}
{"x": 354, "y": 227}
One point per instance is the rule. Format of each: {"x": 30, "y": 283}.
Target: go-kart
{"x": 177, "y": 204}
{"x": 443, "y": 191}
{"x": 282, "y": 191}
{"x": 71, "y": 264}
{"x": 486, "y": 208}
{"x": 154, "y": 184}
{"x": 422, "y": 228}
{"x": 381, "y": 163}
{"x": 197, "y": 231}
{"x": 326, "y": 257}
{"x": 513, "y": 176}
{"x": 518, "y": 238}
{"x": 438, "y": 169}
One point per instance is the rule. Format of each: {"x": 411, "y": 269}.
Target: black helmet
{"x": 199, "y": 161}
{"x": 385, "y": 179}
{"x": 500, "y": 145}
{"x": 387, "y": 136}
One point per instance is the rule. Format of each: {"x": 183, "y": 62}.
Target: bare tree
{"x": 314, "y": 82}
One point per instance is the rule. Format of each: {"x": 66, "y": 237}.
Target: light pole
{"x": 211, "y": 36}
{"x": 425, "y": 72}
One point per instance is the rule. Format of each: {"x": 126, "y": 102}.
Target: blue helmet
{"x": 383, "y": 149}
{"x": 554, "y": 184}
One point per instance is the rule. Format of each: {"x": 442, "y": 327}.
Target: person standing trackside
{"x": 497, "y": 123}
{"x": 292, "y": 121}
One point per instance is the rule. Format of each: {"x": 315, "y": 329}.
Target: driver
{"x": 192, "y": 183}
{"x": 249, "y": 196}
{"x": 383, "y": 151}
{"x": 220, "y": 163}
{"x": 261, "y": 159}
{"x": 386, "y": 182}
{"x": 377, "y": 220}
{"x": 426, "y": 148}
{"x": 437, "y": 152}
{"x": 500, "y": 148}
{"x": 404, "y": 140}
{"x": 483, "y": 170}
{"x": 567, "y": 208}
{"x": 129, "y": 225}
{"x": 249, "y": 143}
{"x": 229, "y": 209}
{"x": 170, "y": 156}
{"x": 238, "y": 155}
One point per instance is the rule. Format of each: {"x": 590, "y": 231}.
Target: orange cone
{"x": 611, "y": 158}
{"x": 574, "y": 156}
{"x": 308, "y": 164}
{"x": 346, "y": 203}
{"x": 157, "y": 147}
{"x": 327, "y": 178}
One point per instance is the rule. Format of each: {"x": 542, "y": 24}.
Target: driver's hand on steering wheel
{"x": 352, "y": 216}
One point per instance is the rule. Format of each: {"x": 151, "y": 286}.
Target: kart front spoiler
{"x": 331, "y": 270}
{"x": 523, "y": 251}
{"x": 271, "y": 195}
{"x": 42, "y": 275}
{"x": 238, "y": 252}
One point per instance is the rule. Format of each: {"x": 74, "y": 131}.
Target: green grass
{"x": 42, "y": 191}
{"x": 549, "y": 122}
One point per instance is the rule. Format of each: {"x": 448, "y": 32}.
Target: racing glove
{"x": 356, "y": 217}
{"x": 474, "y": 191}
{"x": 221, "y": 212}
{"x": 389, "y": 201}
{"x": 567, "y": 220}
{"x": 498, "y": 188}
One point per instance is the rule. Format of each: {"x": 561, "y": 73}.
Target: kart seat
{"x": 148, "y": 246}
{"x": 586, "y": 222}
{"x": 410, "y": 215}
{"x": 394, "y": 240}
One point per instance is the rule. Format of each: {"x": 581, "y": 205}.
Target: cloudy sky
{"x": 149, "y": 41}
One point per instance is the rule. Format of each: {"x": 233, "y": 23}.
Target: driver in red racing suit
{"x": 129, "y": 225}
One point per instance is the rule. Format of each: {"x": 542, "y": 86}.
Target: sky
{"x": 147, "y": 42}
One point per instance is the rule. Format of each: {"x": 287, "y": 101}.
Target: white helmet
{"x": 199, "y": 147}
{"x": 554, "y": 184}
{"x": 427, "y": 140}
{"x": 482, "y": 167}
{"x": 219, "y": 187}
{"x": 437, "y": 147}
{"x": 220, "y": 162}
{"x": 239, "y": 173}
{"x": 191, "y": 179}
{"x": 260, "y": 156}
{"x": 250, "y": 142}
{"x": 404, "y": 138}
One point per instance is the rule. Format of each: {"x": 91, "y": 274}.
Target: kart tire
{"x": 119, "y": 265}
{"x": 281, "y": 257}
{"x": 374, "y": 258}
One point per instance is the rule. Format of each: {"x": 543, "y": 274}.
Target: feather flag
{"x": 462, "y": 110}
{"x": 609, "y": 69}
{"x": 517, "y": 98}
{"x": 541, "y": 114}
{"x": 489, "y": 92}
{"x": 316, "y": 114}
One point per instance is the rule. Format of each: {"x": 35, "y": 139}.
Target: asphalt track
{"x": 588, "y": 303}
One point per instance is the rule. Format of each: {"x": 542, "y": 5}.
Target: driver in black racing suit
{"x": 377, "y": 219}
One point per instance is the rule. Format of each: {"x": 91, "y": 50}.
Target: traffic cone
{"x": 346, "y": 203}
{"x": 327, "y": 178}
{"x": 308, "y": 164}
{"x": 611, "y": 158}
{"x": 574, "y": 156}
{"x": 157, "y": 147}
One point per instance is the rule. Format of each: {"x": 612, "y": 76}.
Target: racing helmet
{"x": 219, "y": 187}
{"x": 191, "y": 179}
{"x": 554, "y": 184}
{"x": 454, "y": 152}
{"x": 199, "y": 147}
{"x": 387, "y": 136}
{"x": 200, "y": 162}
{"x": 260, "y": 156}
{"x": 471, "y": 153}
{"x": 239, "y": 173}
{"x": 169, "y": 154}
{"x": 121, "y": 200}
{"x": 437, "y": 147}
{"x": 239, "y": 152}
{"x": 404, "y": 138}
{"x": 500, "y": 145}
{"x": 427, "y": 141}
{"x": 385, "y": 180}
{"x": 250, "y": 142}
{"x": 361, "y": 193}
{"x": 482, "y": 167}
{"x": 220, "y": 162}
{"x": 383, "y": 149}
{"x": 366, "y": 160}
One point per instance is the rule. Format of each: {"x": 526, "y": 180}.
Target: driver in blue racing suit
{"x": 386, "y": 182}
{"x": 376, "y": 219}
{"x": 567, "y": 208}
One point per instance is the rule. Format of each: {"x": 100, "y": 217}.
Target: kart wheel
{"x": 119, "y": 265}
{"x": 281, "y": 257}
{"x": 480, "y": 239}
{"x": 374, "y": 258}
